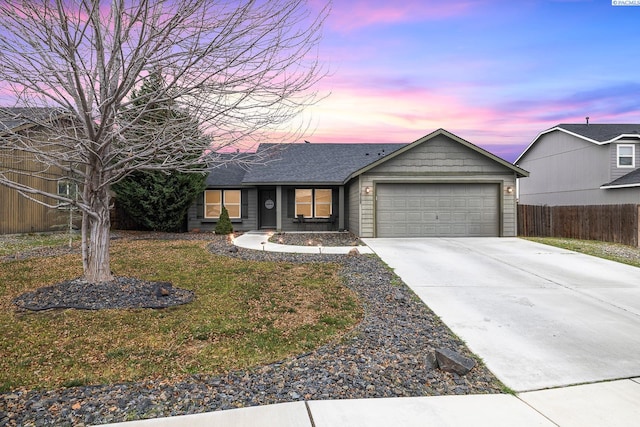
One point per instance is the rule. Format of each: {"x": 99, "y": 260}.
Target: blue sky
{"x": 491, "y": 71}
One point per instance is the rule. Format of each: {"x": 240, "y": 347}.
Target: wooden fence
{"x": 608, "y": 223}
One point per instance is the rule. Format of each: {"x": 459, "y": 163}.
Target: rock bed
{"x": 388, "y": 354}
{"x": 315, "y": 239}
{"x": 122, "y": 292}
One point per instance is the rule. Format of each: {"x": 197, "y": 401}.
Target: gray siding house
{"x": 439, "y": 185}
{"x": 582, "y": 164}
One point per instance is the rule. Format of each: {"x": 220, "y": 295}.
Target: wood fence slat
{"x": 608, "y": 223}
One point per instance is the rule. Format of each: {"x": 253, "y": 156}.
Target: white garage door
{"x": 437, "y": 210}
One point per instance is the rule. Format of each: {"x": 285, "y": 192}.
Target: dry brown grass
{"x": 245, "y": 314}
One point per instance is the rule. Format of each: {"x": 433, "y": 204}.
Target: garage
{"x": 437, "y": 210}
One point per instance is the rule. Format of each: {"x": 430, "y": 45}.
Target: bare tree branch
{"x": 244, "y": 70}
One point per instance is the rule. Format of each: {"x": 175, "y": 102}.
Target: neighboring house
{"x": 439, "y": 185}
{"x": 582, "y": 164}
{"x": 18, "y": 214}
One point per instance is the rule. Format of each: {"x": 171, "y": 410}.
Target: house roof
{"x": 602, "y": 133}
{"x": 16, "y": 118}
{"x": 226, "y": 174}
{"x": 323, "y": 164}
{"x": 598, "y": 133}
{"x": 319, "y": 164}
{"x": 632, "y": 179}
{"x": 519, "y": 171}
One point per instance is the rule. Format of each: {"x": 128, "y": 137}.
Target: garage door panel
{"x": 437, "y": 210}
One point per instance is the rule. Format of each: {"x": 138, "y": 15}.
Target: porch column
{"x": 341, "y": 209}
{"x": 279, "y": 208}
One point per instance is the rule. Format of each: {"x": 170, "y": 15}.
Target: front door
{"x": 268, "y": 209}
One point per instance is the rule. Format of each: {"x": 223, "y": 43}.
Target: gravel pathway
{"x": 389, "y": 354}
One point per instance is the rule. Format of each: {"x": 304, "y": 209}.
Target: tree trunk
{"x": 98, "y": 267}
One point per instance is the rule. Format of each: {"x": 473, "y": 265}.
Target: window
{"x": 626, "y": 155}
{"x": 67, "y": 189}
{"x": 303, "y": 202}
{"x": 313, "y": 203}
{"x": 215, "y": 199}
{"x": 323, "y": 203}
{"x": 212, "y": 203}
{"x": 232, "y": 203}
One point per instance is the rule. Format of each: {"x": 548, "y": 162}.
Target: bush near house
{"x": 224, "y": 225}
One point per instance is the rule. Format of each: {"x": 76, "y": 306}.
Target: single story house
{"x": 582, "y": 164}
{"x": 439, "y": 185}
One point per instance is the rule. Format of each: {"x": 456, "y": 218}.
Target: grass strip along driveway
{"x": 245, "y": 313}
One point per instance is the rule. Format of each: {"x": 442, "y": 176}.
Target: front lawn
{"x": 245, "y": 313}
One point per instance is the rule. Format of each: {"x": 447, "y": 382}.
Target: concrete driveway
{"x": 538, "y": 316}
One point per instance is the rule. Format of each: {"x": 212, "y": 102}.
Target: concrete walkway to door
{"x": 538, "y": 316}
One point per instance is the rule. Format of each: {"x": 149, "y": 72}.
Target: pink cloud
{"x": 351, "y": 15}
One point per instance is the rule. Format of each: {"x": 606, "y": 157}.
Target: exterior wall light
{"x": 509, "y": 190}
{"x": 367, "y": 190}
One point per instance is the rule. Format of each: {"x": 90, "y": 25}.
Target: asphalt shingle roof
{"x": 602, "y": 132}
{"x": 314, "y": 163}
{"x": 14, "y": 117}
{"x": 630, "y": 179}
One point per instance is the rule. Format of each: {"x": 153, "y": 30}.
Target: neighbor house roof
{"x": 632, "y": 179}
{"x": 602, "y": 133}
{"x": 319, "y": 164}
{"x": 599, "y": 134}
{"x": 17, "y": 118}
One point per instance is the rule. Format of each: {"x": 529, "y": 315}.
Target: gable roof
{"x": 318, "y": 164}
{"x": 324, "y": 164}
{"x": 599, "y": 134}
{"x": 519, "y": 171}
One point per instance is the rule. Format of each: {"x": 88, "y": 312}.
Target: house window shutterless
{"x": 626, "y": 155}
{"x": 215, "y": 199}
{"x": 313, "y": 202}
{"x": 67, "y": 189}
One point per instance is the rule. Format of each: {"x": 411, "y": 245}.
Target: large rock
{"x": 450, "y": 361}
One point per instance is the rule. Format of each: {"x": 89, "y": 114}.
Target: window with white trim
{"x": 626, "y": 155}
{"x": 314, "y": 202}
{"x": 215, "y": 199}
{"x": 67, "y": 189}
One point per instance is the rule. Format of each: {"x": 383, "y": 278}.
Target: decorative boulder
{"x": 450, "y": 361}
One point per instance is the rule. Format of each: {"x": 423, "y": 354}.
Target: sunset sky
{"x": 494, "y": 72}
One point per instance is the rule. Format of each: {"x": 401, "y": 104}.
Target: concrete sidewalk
{"x": 615, "y": 403}
{"x": 612, "y": 403}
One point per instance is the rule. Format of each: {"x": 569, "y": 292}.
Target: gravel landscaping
{"x": 315, "y": 239}
{"x": 389, "y": 354}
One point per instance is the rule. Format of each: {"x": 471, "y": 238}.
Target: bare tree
{"x": 242, "y": 69}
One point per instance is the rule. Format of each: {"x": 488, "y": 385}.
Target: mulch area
{"x": 389, "y": 354}
{"x": 314, "y": 239}
{"x": 121, "y": 292}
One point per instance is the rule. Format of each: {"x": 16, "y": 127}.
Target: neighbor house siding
{"x": 18, "y": 214}
{"x": 566, "y": 170}
{"x": 440, "y": 160}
